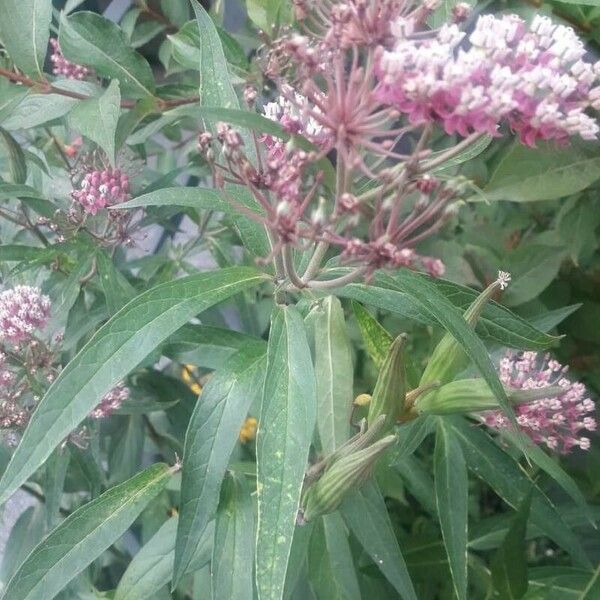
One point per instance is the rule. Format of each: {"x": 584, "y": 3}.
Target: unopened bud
{"x": 390, "y": 389}
{"x": 461, "y": 12}
{"x": 449, "y": 358}
{"x": 250, "y": 95}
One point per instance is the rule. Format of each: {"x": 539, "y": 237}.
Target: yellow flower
{"x": 187, "y": 374}
{"x": 248, "y": 430}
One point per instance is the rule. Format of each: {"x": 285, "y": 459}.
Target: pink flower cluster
{"x": 23, "y": 309}
{"x": 64, "y": 67}
{"x": 536, "y": 80}
{"x": 556, "y": 421}
{"x": 111, "y": 401}
{"x": 100, "y": 189}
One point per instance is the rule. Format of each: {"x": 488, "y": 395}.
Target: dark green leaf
{"x": 452, "y": 496}
{"x": 489, "y": 462}
{"x": 509, "y": 564}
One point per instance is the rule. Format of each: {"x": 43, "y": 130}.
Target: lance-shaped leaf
{"x": 377, "y": 340}
{"x": 84, "y": 535}
{"x": 366, "y": 515}
{"x": 25, "y": 28}
{"x": 233, "y": 549}
{"x": 104, "y": 47}
{"x": 331, "y": 568}
{"x": 116, "y": 348}
{"x": 210, "y": 438}
{"x": 509, "y": 564}
{"x": 96, "y": 119}
{"x": 496, "y": 323}
{"x": 152, "y": 567}
{"x": 334, "y": 374}
{"x": 490, "y": 463}
{"x": 286, "y": 424}
{"x": 452, "y": 496}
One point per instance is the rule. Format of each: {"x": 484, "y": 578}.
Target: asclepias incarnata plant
{"x": 193, "y": 222}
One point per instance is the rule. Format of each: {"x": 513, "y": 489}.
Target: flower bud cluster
{"x": 99, "y": 189}
{"x": 64, "y": 67}
{"x": 556, "y": 421}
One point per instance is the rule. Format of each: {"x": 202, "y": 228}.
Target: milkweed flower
{"x": 537, "y": 79}
{"x": 557, "y": 421}
{"x": 23, "y": 309}
{"x": 64, "y": 67}
{"x": 99, "y": 189}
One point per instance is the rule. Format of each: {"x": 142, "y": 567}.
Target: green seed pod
{"x": 448, "y": 358}
{"x": 361, "y": 440}
{"x": 343, "y": 477}
{"x": 474, "y": 395}
{"x": 390, "y": 389}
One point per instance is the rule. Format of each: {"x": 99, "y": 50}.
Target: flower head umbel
{"x": 23, "y": 309}
{"x": 64, "y": 67}
{"x": 110, "y": 402}
{"x": 557, "y": 421}
{"x": 102, "y": 188}
{"x": 535, "y": 79}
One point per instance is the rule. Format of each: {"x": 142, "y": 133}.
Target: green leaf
{"x": 17, "y": 166}
{"x": 267, "y": 14}
{"x": 286, "y": 424}
{"x": 377, "y": 340}
{"x": 28, "y": 530}
{"x": 103, "y": 46}
{"x": 467, "y": 154}
{"x": 18, "y": 253}
{"x": 199, "y": 198}
{"x": 215, "y": 84}
{"x": 233, "y": 550}
{"x": 116, "y": 348}
{"x": 496, "y": 323}
{"x": 366, "y": 515}
{"x": 331, "y": 568}
{"x": 84, "y": 535}
{"x": 152, "y": 567}
{"x": 334, "y": 374}
{"x": 117, "y": 290}
{"x": 36, "y": 109}
{"x": 452, "y": 496}
{"x": 207, "y": 346}
{"x": 509, "y": 564}
{"x": 127, "y": 445}
{"x": 25, "y": 28}
{"x": 533, "y": 268}
{"x": 211, "y": 436}
{"x": 490, "y": 463}
{"x": 531, "y": 174}
{"x": 97, "y": 118}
